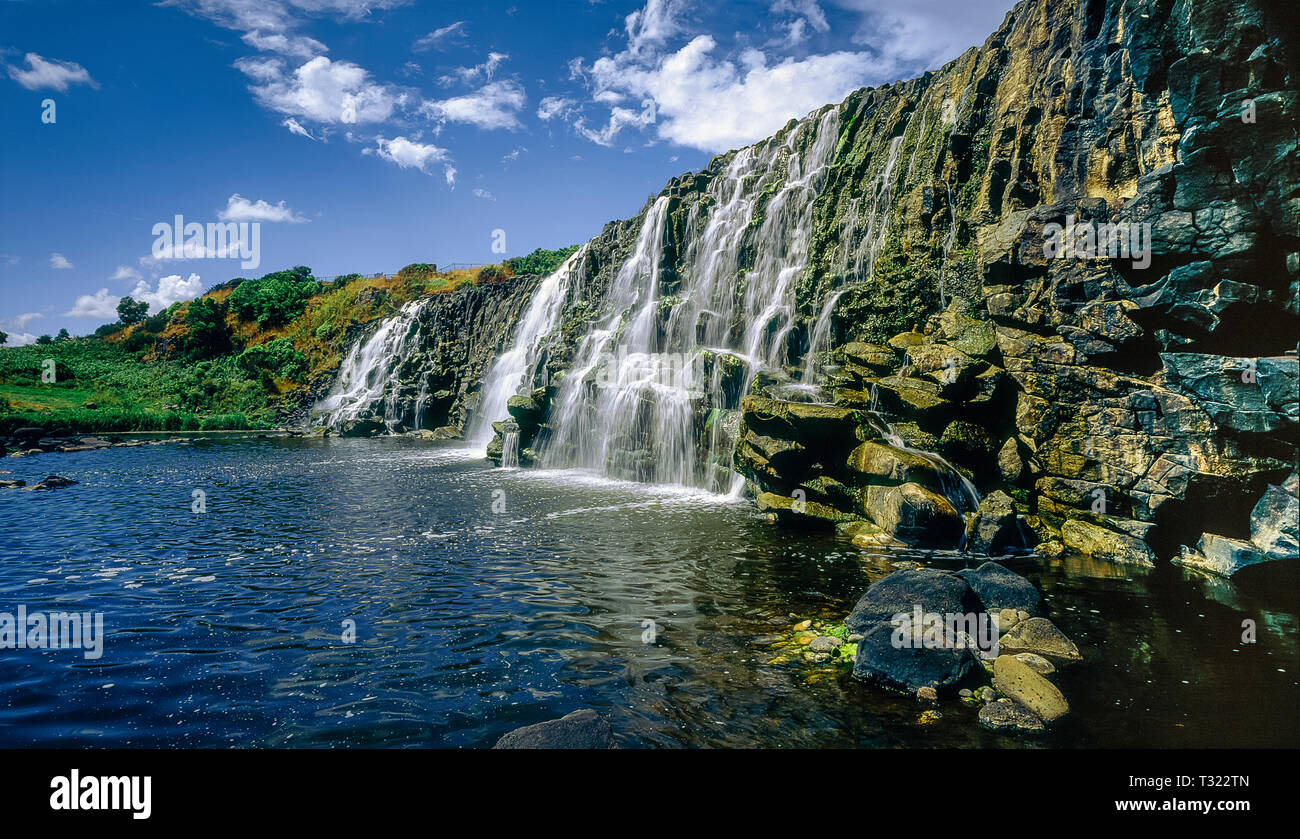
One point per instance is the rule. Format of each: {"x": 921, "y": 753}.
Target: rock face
{"x": 582, "y": 729}
{"x": 1080, "y": 286}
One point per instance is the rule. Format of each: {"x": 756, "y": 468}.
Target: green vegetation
{"x": 241, "y": 356}
{"x": 275, "y": 299}
{"x": 540, "y": 261}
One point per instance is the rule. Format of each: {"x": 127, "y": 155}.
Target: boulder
{"x": 1101, "y": 543}
{"x": 1221, "y": 555}
{"x": 999, "y": 588}
{"x": 1008, "y": 715}
{"x": 933, "y": 591}
{"x": 1018, "y": 682}
{"x": 912, "y": 514}
{"x": 882, "y": 660}
{"x": 583, "y": 729}
{"x": 994, "y": 528}
{"x": 1036, "y": 663}
{"x": 1040, "y": 637}
{"x": 1275, "y": 522}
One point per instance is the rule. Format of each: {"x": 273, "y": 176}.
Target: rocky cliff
{"x": 1065, "y": 268}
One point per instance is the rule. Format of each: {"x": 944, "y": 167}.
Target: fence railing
{"x": 437, "y": 269}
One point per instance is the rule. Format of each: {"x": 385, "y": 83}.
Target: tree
{"x": 63, "y": 335}
{"x": 3, "y": 338}
{"x": 129, "y": 311}
{"x": 45, "y": 339}
{"x": 208, "y": 335}
{"x": 276, "y": 298}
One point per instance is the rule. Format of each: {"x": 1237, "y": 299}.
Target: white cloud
{"x": 297, "y": 46}
{"x": 270, "y": 25}
{"x": 124, "y": 272}
{"x": 20, "y": 339}
{"x": 513, "y": 154}
{"x": 171, "y": 289}
{"x": 555, "y": 106}
{"x": 321, "y": 90}
{"x": 97, "y": 305}
{"x": 51, "y": 73}
{"x": 484, "y": 194}
{"x": 471, "y": 75}
{"x": 59, "y": 261}
{"x": 239, "y": 208}
{"x": 653, "y": 25}
{"x": 439, "y": 38}
{"x": 411, "y": 154}
{"x": 295, "y": 127}
{"x": 495, "y": 105}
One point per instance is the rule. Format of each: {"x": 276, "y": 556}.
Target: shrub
{"x": 208, "y": 335}
{"x": 129, "y": 311}
{"x": 276, "y": 358}
{"x": 275, "y": 299}
{"x": 417, "y": 269}
{"x": 490, "y": 274}
{"x": 540, "y": 261}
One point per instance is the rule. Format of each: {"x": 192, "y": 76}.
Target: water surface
{"x": 487, "y": 599}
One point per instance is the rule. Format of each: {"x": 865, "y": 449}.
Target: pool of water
{"x": 486, "y": 599}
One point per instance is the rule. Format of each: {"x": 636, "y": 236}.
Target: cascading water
{"x": 510, "y": 446}
{"x": 369, "y": 373}
{"x": 650, "y": 368}
{"x": 515, "y": 369}
{"x": 957, "y": 488}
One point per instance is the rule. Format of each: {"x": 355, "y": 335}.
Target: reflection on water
{"x": 487, "y": 599}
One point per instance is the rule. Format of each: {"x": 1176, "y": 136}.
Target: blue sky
{"x": 368, "y": 134}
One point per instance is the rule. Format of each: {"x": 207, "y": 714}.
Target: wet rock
{"x": 1275, "y": 521}
{"x": 999, "y": 588}
{"x": 53, "y": 482}
{"x": 1010, "y": 462}
{"x": 927, "y": 694}
{"x": 903, "y": 591}
{"x": 12, "y": 484}
{"x": 1036, "y": 663}
{"x": 1101, "y": 543}
{"x": 1041, "y": 637}
{"x": 912, "y": 514}
{"x": 1017, "y": 681}
{"x": 582, "y": 729}
{"x": 907, "y": 667}
{"x": 824, "y": 644}
{"x": 1008, "y": 715}
{"x": 1221, "y": 555}
{"x": 994, "y": 528}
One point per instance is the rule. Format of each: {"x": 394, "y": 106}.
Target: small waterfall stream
{"x": 515, "y": 369}
{"x": 369, "y": 372}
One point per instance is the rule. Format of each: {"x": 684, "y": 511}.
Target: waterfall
{"x": 948, "y": 243}
{"x": 650, "y": 367}
{"x": 510, "y": 446}
{"x": 514, "y": 369}
{"x": 369, "y": 373}
{"x": 867, "y": 251}
{"x": 957, "y": 488}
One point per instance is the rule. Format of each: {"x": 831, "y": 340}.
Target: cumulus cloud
{"x": 495, "y": 105}
{"x": 50, "y": 73}
{"x": 59, "y": 261}
{"x": 686, "y": 89}
{"x": 321, "y": 90}
{"x": 171, "y": 289}
{"x": 412, "y": 154}
{"x": 20, "y": 339}
{"x": 239, "y": 208}
{"x": 98, "y": 305}
{"x": 441, "y": 38}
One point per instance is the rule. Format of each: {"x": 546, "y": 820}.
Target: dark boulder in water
{"x": 582, "y": 729}
{"x": 998, "y": 588}
{"x": 903, "y": 591}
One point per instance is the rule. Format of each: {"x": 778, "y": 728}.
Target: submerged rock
{"x": 1008, "y": 715}
{"x": 582, "y": 729}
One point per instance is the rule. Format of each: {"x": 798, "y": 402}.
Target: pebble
{"x": 927, "y": 694}
{"x": 802, "y": 625}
